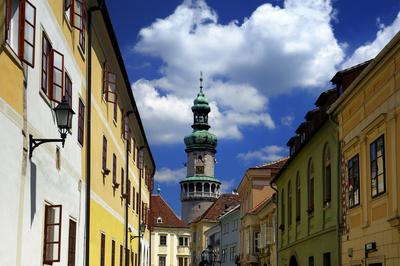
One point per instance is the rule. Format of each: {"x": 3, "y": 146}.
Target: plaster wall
{"x": 208, "y": 162}
{"x": 230, "y": 239}
{"x": 193, "y": 209}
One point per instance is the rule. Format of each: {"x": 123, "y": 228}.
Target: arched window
{"x": 185, "y": 187}
{"x": 159, "y": 220}
{"x": 191, "y": 187}
{"x": 289, "y": 203}
{"x": 213, "y": 188}
{"x": 327, "y": 175}
{"x": 310, "y": 179}
{"x": 298, "y": 198}
{"x": 206, "y": 187}
{"x": 199, "y": 187}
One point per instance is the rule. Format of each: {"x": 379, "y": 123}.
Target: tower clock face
{"x": 199, "y": 169}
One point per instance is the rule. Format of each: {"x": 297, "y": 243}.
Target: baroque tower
{"x": 200, "y": 188}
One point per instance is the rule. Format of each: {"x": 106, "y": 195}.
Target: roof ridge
{"x": 272, "y": 162}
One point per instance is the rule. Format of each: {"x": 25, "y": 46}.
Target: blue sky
{"x": 264, "y": 64}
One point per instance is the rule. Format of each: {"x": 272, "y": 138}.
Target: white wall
{"x": 26, "y": 188}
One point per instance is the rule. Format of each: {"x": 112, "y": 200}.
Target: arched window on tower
{"x": 206, "y": 187}
{"x": 213, "y": 188}
{"x": 199, "y": 187}
{"x": 191, "y": 187}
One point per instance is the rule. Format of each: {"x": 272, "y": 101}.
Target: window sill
{"x": 378, "y": 196}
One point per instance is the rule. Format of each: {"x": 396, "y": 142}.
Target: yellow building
{"x": 120, "y": 163}
{"x": 256, "y": 210}
{"x": 369, "y": 130}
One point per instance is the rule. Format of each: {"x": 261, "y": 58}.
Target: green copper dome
{"x": 201, "y": 139}
{"x": 200, "y": 104}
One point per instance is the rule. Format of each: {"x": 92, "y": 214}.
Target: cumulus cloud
{"x": 228, "y": 185}
{"x": 371, "y": 49}
{"x": 170, "y": 176}
{"x": 245, "y": 62}
{"x": 265, "y": 154}
{"x": 287, "y": 120}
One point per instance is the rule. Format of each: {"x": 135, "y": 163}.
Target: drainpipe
{"x": 338, "y": 191}
{"x": 126, "y": 197}
{"x": 88, "y": 128}
{"x": 276, "y": 222}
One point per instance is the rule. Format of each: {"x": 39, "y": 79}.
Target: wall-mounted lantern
{"x": 64, "y": 115}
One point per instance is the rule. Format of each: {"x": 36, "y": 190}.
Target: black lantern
{"x": 209, "y": 256}
{"x": 64, "y": 113}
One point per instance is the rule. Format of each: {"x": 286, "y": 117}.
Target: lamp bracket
{"x": 34, "y": 143}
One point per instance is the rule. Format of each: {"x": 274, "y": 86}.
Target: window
{"x": 122, "y": 181}
{"x": 354, "y": 181}
{"x": 67, "y": 9}
{"x": 81, "y": 121}
{"x": 82, "y": 40}
{"x": 128, "y": 191}
{"x": 310, "y": 187}
{"x": 232, "y": 253}
{"x": 68, "y": 90}
{"x": 110, "y": 86}
{"x": 183, "y": 261}
{"x": 311, "y": 261}
{"x": 327, "y": 175}
{"x": 52, "y": 234}
{"x": 56, "y": 76}
{"x": 20, "y": 25}
{"x": 270, "y": 231}
{"x": 77, "y": 14}
{"x": 377, "y": 159}
{"x": 134, "y": 149}
{"x": 163, "y": 240}
{"x": 226, "y": 228}
{"x": 136, "y": 260}
{"x": 46, "y": 50}
{"x": 327, "y": 259}
{"x": 256, "y": 242}
{"x": 161, "y": 261}
{"x": 137, "y": 202}
{"x": 104, "y": 157}
{"x": 183, "y": 241}
{"x": 102, "y": 249}
{"x": 113, "y": 252}
{"x": 114, "y": 168}
{"x": 133, "y": 197}
{"x": 121, "y": 255}
{"x": 290, "y": 203}
{"x": 71, "y": 243}
{"x": 298, "y": 198}
{"x": 223, "y": 257}
{"x": 115, "y": 112}
{"x": 132, "y": 258}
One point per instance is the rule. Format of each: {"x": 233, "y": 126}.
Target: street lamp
{"x": 209, "y": 256}
{"x": 142, "y": 228}
{"x": 64, "y": 115}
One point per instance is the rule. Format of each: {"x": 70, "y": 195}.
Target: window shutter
{"x": 104, "y": 161}
{"x": 77, "y": 12}
{"x": 52, "y": 234}
{"x": 114, "y": 169}
{"x": 56, "y": 92}
{"x": 111, "y": 86}
{"x": 81, "y": 121}
{"x": 122, "y": 182}
{"x": 121, "y": 252}
{"x": 72, "y": 243}
{"x": 27, "y": 25}
{"x": 128, "y": 192}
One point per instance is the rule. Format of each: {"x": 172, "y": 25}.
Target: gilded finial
{"x": 201, "y": 82}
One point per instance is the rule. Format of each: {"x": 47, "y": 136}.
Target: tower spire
{"x": 201, "y": 81}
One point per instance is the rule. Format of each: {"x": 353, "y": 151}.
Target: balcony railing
{"x": 183, "y": 250}
{"x": 199, "y": 194}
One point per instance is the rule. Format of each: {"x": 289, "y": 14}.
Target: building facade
{"x": 208, "y": 219}
{"x": 43, "y": 190}
{"x": 77, "y": 203}
{"x": 170, "y": 237}
{"x": 230, "y": 236}
{"x": 369, "y": 130}
{"x": 266, "y": 213}
{"x": 254, "y": 190}
{"x": 308, "y": 195}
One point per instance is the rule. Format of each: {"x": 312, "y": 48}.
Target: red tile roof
{"x": 223, "y": 203}
{"x": 160, "y": 208}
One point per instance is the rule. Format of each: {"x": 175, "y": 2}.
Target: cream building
{"x": 170, "y": 237}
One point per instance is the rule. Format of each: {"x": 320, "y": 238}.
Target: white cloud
{"x": 371, "y": 49}
{"x": 228, "y": 185}
{"x": 265, "y": 154}
{"x": 170, "y": 176}
{"x": 287, "y": 120}
{"x": 245, "y": 62}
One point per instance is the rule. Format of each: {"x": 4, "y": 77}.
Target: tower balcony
{"x": 199, "y": 195}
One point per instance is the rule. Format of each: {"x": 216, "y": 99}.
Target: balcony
{"x": 162, "y": 249}
{"x": 182, "y": 250}
{"x": 199, "y": 194}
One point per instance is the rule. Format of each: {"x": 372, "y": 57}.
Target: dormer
{"x": 293, "y": 144}
{"x": 344, "y": 78}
